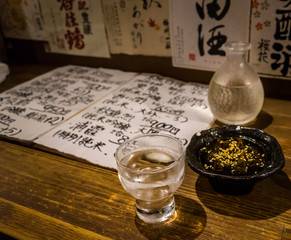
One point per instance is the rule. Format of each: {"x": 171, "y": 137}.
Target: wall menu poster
{"x": 76, "y": 27}
{"x": 200, "y": 28}
{"x": 270, "y": 38}
{"x": 138, "y": 27}
{"x": 22, "y": 20}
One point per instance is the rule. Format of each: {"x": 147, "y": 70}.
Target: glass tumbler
{"x": 151, "y": 168}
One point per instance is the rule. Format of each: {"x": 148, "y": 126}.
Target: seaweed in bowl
{"x": 234, "y": 158}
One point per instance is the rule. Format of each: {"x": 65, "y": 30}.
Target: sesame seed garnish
{"x": 232, "y": 156}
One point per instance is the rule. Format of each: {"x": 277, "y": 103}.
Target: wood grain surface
{"x": 47, "y": 196}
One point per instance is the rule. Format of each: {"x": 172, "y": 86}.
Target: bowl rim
{"x": 198, "y": 141}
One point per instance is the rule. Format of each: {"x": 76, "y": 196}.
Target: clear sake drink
{"x": 151, "y": 174}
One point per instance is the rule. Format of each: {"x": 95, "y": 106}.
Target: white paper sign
{"x": 76, "y": 27}
{"x": 32, "y": 108}
{"x": 138, "y": 27}
{"x": 200, "y": 28}
{"x": 147, "y": 104}
{"x": 270, "y": 38}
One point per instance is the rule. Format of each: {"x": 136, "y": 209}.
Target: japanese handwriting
{"x": 73, "y": 36}
{"x": 50, "y": 99}
{"x": 273, "y": 47}
{"x": 283, "y": 20}
{"x": 281, "y": 54}
{"x": 264, "y": 48}
{"x": 282, "y": 58}
{"x": 217, "y": 39}
{"x": 146, "y": 104}
{"x": 140, "y": 22}
{"x": 80, "y": 140}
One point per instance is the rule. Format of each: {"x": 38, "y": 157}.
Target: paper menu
{"x": 34, "y": 107}
{"x": 147, "y": 104}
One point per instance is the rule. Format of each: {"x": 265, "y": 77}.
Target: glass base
{"x": 235, "y": 122}
{"x": 157, "y": 211}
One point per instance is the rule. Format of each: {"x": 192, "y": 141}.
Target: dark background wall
{"x": 25, "y": 51}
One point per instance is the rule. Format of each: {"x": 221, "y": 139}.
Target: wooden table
{"x": 46, "y": 196}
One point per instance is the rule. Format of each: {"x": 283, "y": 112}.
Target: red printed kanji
{"x": 66, "y": 5}
{"x": 71, "y": 19}
{"x": 75, "y": 39}
{"x": 82, "y": 5}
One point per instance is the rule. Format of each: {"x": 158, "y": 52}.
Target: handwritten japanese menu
{"x": 76, "y": 27}
{"x": 147, "y": 104}
{"x": 30, "y": 109}
{"x": 138, "y": 27}
{"x": 200, "y": 28}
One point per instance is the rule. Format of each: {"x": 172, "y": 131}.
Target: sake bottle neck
{"x": 236, "y": 52}
{"x": 236, "y": 57}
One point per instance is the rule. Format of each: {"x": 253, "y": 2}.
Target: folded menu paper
{"x": 34, "y": 107}
{"x": 88, "y": 112}
{"x": 147, "y": 104}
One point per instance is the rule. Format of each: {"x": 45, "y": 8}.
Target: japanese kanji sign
{"x": 200, "y": 28}
{"x": 270, "y": 37}
{"x": 138, "y": 27}
{"x": 76, "y": 27}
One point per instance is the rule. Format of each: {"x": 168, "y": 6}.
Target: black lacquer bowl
{"x": 235, "y": 184}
